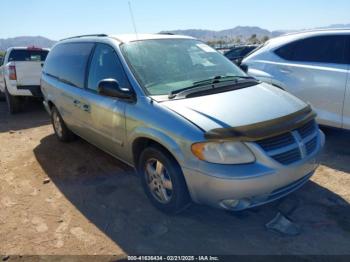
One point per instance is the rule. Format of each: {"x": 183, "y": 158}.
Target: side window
{"x": 247, "y": 50}
{"x": 105, "y": 64}
{"x": 347, "y": 50}
{"x": 322, "y": 49}
{"x": 235, "y": 53}
{"x": 68, "y": 62}
{"x": 286, "y": 51}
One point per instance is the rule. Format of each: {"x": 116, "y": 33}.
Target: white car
{"x": 20, "y": 74}
{"x": 313, "y": 66}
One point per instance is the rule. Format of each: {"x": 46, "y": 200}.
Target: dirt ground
{"x": 93, "y": 204}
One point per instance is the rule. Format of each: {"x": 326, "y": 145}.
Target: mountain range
{"x": 37, "y": 41}
{"x": 242, "y": 32}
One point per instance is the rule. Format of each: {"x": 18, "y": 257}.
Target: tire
{"x": 168, "y": 192}
{"x": 13, "y": 102}
{"x": 62, "y": 132}
{"x": 2, "y": 96}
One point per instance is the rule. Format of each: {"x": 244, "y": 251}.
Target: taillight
{"x": 34, "y": 48}
{"x": 12, "y": 72}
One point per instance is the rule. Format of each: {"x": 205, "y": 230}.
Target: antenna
{"x": 132, "y": 19}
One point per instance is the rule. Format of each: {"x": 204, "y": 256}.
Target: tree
{"x": 211, "y": 43}
{"x": 253, "y": 39}
{"x": 264, "y": 39}
{"x": 238, "y": 40}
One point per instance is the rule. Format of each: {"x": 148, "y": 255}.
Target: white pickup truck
{"x": 20, "y": 73}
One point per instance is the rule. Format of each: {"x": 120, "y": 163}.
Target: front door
{"x": 104, "y": 117}
{"x": 346, "y": 109}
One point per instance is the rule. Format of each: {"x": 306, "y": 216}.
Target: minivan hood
{"x": 242, "y": 107}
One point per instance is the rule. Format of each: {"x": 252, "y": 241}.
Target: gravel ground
{"x": 58, "y": 199}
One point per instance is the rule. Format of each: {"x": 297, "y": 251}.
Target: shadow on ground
{"x": 33, "y": 115}
{"x": 109, "y": 194}
{"x": 336, "y": 153}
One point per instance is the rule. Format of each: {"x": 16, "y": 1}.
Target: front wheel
{"x": 62, "y": 132}
{"x": 163, "y": 180}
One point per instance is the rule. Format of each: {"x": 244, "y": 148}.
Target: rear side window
{"x": 68, "y": 62}
{"x": 347, "y": 49}
{"x": 28, "y": 55}
{"x": 322, "y": 49}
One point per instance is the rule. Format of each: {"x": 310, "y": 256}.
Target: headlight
{"x": 223, "y": 152}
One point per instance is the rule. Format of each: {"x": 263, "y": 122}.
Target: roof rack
{"x": 78, "y": 36}
{"x": 165, "y": 33}
{"x": 316, "y": 30}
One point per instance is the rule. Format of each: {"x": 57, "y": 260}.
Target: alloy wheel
{"x": 158, "y": 181}
{"x": 57, "y": 123}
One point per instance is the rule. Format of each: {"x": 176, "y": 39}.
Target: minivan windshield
{"x": 163, "y": 66}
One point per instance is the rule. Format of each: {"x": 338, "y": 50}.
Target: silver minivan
{"x": 193, "y": 125}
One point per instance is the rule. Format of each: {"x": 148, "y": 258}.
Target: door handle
{"x": 285, "y": 70}
{"x": 86, "y": 108}
{"x": 76, "y": 102}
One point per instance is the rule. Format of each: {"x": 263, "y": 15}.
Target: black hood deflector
{"x": 266, "y": 129}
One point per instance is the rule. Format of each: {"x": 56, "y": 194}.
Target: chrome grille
{"x": 276, "y": 142}
{"x": 288, "y": 157}
{"x": 311, "y": 145}
{"x": 291, "y": 147}
{"x": 307, "y": 129}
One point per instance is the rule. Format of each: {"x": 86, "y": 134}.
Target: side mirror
{"x": 110, "y": 87}
{"x": 244, "y": 67}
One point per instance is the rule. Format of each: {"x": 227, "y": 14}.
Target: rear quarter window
{"x": 322, "y": 49}
{"x": 68, "y": 62}
{"x": 28, "y": 55}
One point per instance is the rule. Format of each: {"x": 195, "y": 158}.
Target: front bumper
{"x": 248, "y": 185}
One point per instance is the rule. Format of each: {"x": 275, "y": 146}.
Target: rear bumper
{"x": 23, "y": 90}
{"x": 34, "y": 90}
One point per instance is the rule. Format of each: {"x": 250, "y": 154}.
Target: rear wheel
{"x": 13, "y": 102}
{"x": 163, "y": 180}
{"x": 61, "y": 130}
{"x": 2, "y": 96}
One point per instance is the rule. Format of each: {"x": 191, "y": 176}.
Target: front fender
{"x": 158, "y": 136}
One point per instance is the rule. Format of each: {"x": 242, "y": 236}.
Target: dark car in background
{"x": 237, "y": 53}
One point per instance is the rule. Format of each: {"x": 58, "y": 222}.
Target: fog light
{"x": 230, "y": 203}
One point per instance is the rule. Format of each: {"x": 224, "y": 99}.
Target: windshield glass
{"x": 166, "y": 65}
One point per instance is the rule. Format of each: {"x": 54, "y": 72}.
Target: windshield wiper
{"x": 219, "y": 79}
{"x": 208, "y": 84}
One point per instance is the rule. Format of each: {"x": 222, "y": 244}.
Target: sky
{"x": 58, "y": 19}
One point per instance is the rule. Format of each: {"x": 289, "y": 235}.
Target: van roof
{"x": 124, "y": 38}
